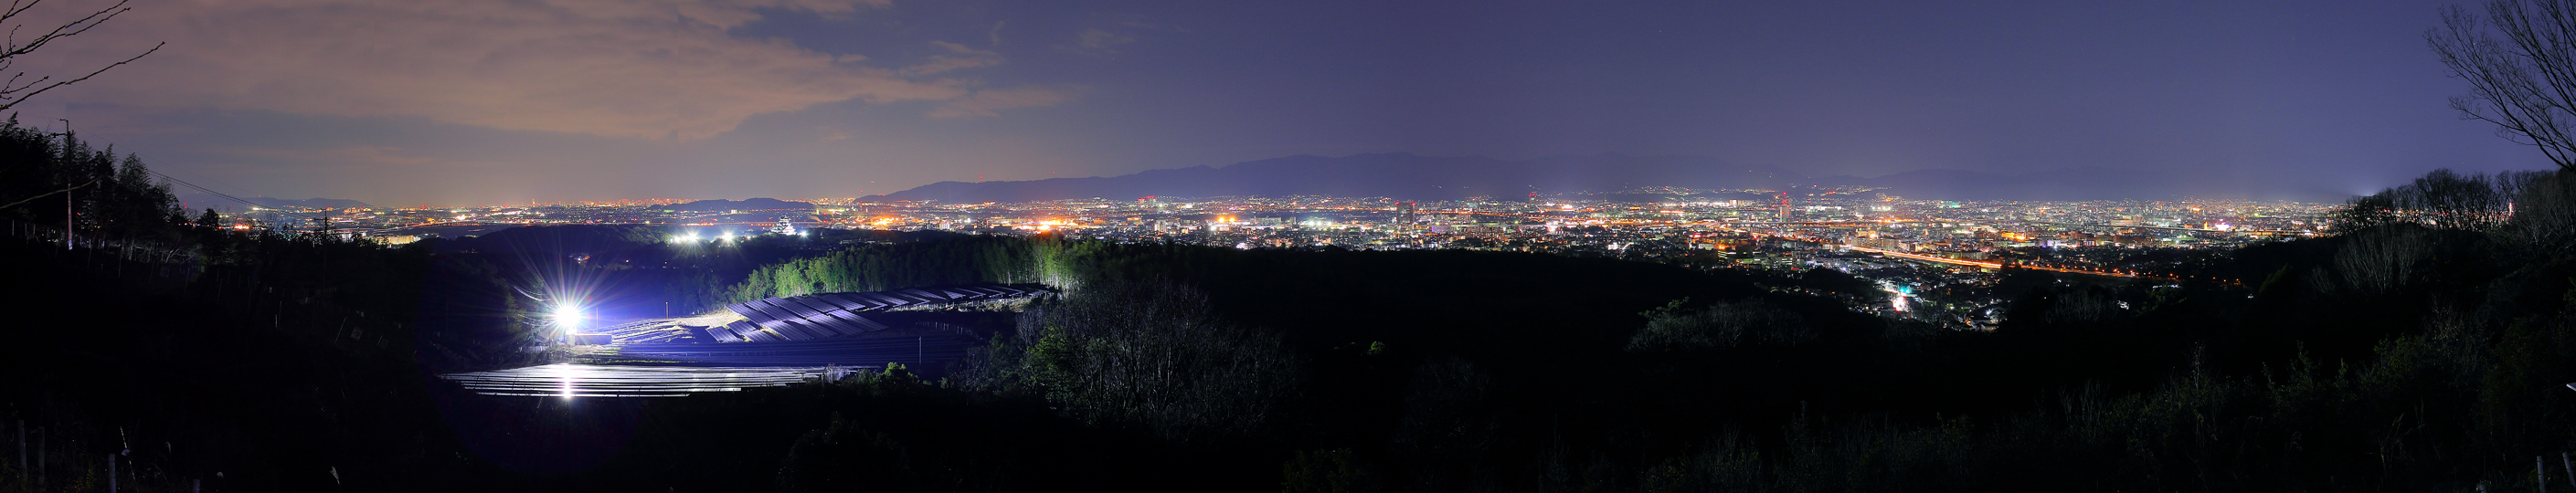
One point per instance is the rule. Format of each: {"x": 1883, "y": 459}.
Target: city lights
{"x": 1859, "y": 230}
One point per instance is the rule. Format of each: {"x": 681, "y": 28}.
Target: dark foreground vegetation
{"x": 2424, "y": 348}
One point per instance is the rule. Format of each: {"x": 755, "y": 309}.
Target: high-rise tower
{"x": 1404, "y": 216}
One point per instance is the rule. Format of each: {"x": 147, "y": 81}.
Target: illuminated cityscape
{"x": 1569, "y": 224}
{"x": 1307, "y": 247}
{"x": 1938, "y": 260}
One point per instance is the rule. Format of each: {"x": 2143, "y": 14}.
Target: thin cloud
{"x": 957, "y": 57}
{"x": 990, "y": 102}
{"x": 359, "y": 155}
{"x": 1100, "y": 43}
{"x": 650, "y": 69}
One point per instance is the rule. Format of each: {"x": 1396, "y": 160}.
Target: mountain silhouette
{"x": 750, "y": 204}
{"x": 1416, "y": 177}
{"x": 1374, "y": 175}
{"x": 199, "y": 201}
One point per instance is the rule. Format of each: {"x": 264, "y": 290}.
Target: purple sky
{"x": 464, "y": 102}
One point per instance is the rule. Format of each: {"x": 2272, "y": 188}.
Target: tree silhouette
{"x": 2520, "y": 61}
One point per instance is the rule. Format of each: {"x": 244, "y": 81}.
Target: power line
{"x": 203, "y": 178}
{"x": 221, "y": 194}
{"x": 255, "y": 205}
{"x": 49, "y": 194}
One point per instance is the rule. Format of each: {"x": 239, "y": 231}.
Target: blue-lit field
{"x": 771, "y": 342}
{"x": 570, "y": 380}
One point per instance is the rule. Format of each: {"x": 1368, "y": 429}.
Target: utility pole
{"x": 67, "y": 194}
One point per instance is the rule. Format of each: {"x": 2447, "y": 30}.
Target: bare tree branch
{"x": 10, "y": 98}
{"x": 17, "y": 88}
{"x": 2525, "y": 82}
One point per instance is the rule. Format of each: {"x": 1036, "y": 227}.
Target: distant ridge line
{"x": 1415, "y": 177}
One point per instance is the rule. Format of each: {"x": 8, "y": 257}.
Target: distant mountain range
{"x": 199, "y": 201}
{"x": 1416, "y": 177}
{"x": 204, "y": 201}
{"x": 750, "y": 204}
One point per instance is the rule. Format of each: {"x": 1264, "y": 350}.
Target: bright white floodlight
{"x": 567, "y": 317}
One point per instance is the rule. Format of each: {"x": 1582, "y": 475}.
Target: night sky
{"x": 449, "y": 102}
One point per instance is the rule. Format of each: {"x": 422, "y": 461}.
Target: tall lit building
{"x": 1404, "y": 217}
